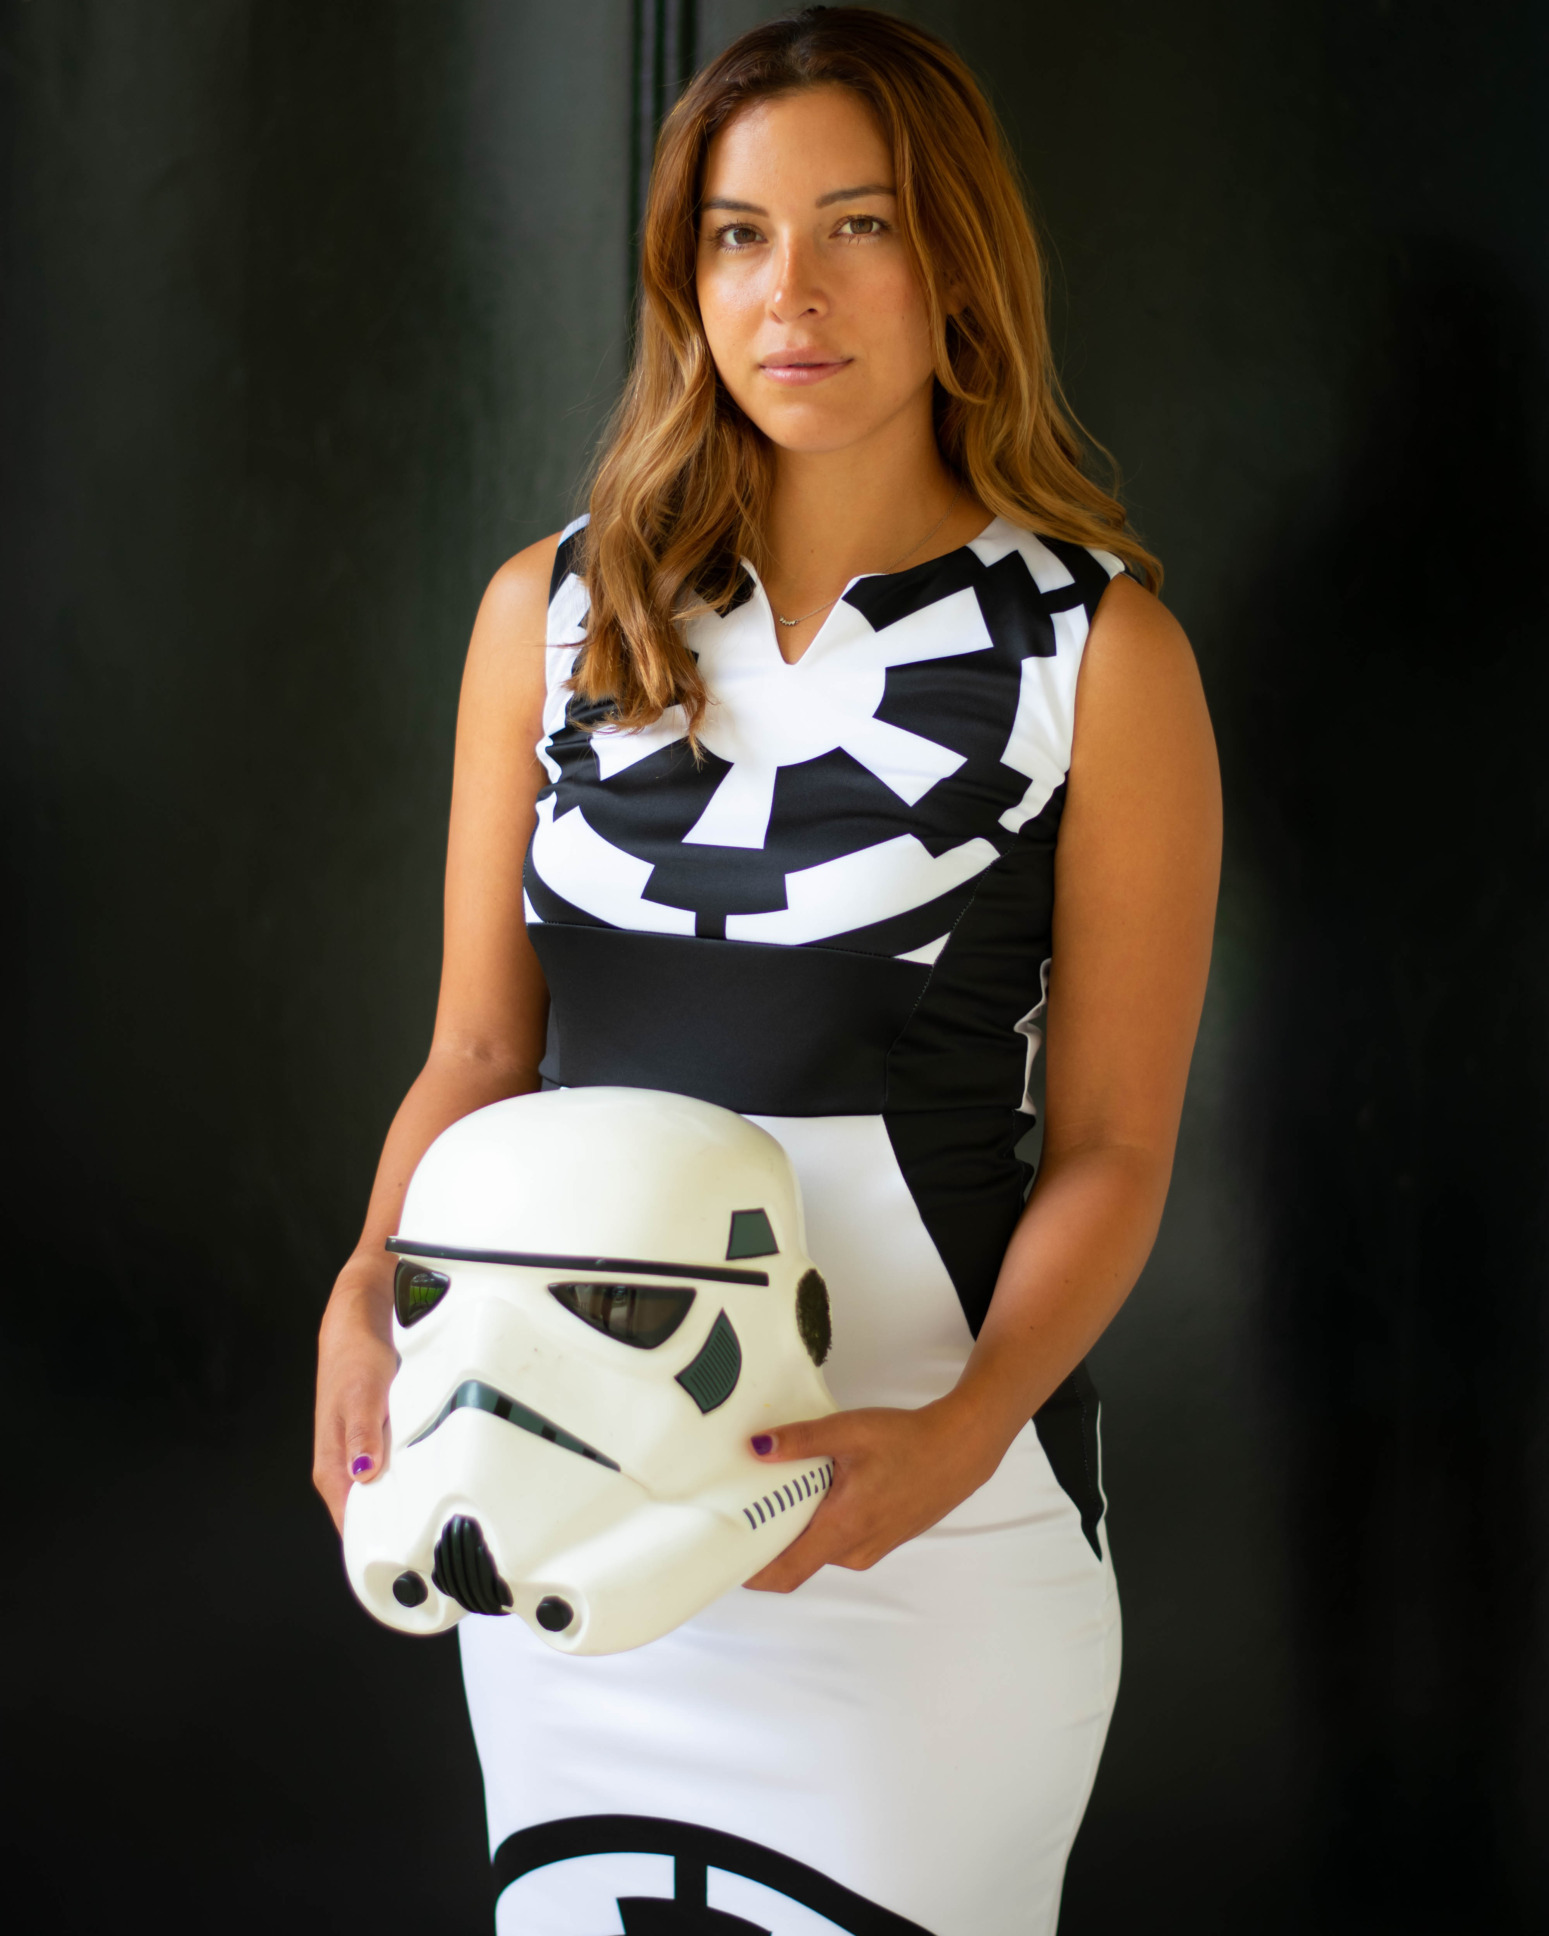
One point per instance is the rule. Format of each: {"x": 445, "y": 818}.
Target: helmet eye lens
{"x": 417, "y": 1291}
{"x": 643, "y": 1315}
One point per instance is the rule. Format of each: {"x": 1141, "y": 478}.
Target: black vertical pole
{"x": 665, "y": 54}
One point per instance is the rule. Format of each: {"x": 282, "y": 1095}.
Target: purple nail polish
{"x": 762, "y": 1443}
{"x": 363, "y": 1464}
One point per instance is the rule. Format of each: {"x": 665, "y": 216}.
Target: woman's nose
{"x": 794, "y": 289}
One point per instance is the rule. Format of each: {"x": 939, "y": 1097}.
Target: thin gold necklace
{"x": 918, "y": 545}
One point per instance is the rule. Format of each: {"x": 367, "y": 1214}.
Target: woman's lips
{"x": 792, "y": 371}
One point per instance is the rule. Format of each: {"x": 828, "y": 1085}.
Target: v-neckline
{"x": 773, "y": 628}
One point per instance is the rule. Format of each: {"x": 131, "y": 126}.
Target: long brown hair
{"x": 682, "y": 485}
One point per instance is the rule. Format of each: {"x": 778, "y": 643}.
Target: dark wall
{"x": 308, "y": 315}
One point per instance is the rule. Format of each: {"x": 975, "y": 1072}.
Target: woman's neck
{"x": 837, "y": 514}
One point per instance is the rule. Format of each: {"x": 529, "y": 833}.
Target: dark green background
{"x": 310, "y": 312}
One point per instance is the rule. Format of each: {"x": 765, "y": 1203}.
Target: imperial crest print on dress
{"x": 869, "y": 836}
{"x": 836, "y": 921}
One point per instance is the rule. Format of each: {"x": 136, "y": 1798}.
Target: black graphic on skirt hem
{"x": 694, "y": 1851}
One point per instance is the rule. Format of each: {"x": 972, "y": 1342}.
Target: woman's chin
{"x": 811, "y": 431}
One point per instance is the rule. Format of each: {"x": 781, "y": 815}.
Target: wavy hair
{"x": 682, "y": 484}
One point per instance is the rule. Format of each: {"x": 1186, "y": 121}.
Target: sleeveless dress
{"x": 837, "y": 922}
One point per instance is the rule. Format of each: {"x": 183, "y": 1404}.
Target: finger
{"x": 806, "y": 1439}
{"x": 365, "y": 1433}
{"x": 793, "y": 1568}
{"x": 824, "y": 1541}
{"x": 351, "y": 1446}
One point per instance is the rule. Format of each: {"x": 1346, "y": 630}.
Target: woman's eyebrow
{"x": 850, "y": 194}
{"x": 823, "y": 201}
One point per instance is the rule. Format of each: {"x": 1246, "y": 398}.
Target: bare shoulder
{"x": 1134, "y": 638}
{"x": 505, "y": 666}
{"x": 515, "y": 605}
{"x": 1140, "y": 706}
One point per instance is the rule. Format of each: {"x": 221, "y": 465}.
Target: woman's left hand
{"x": 895, "y": 1474}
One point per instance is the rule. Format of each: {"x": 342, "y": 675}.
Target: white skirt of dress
{"x": 911, "y": 1747}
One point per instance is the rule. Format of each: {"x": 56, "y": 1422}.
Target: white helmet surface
{"x": 601, "y": 1295}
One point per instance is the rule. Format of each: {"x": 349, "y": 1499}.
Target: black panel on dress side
{"x": 961, "y": 1049}
{"x": 766, "y": 1031}
{"x": 955, "y": 1078}
{"x": 1066, "y": 1424}
{"x": 969, "y": 1187}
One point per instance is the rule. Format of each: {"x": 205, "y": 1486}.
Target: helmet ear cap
{"x": 814, "y": 1320}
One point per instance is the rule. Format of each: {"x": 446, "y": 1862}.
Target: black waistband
{"x": 767, "y": 1031}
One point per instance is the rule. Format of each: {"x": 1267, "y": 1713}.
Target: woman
{"x": 864, "y": 753}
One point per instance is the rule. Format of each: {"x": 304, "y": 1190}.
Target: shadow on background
{"x": 277, "y": 279}
{"x": 1386, "y": 756}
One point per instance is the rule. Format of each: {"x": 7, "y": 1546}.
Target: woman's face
{"x": 810, "y": 298}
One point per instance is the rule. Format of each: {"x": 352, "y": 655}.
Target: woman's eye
{"x": 856, "y": 226}
{"x": 736, "y": 235}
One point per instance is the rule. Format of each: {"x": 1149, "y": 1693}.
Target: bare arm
{"x": 491, "y": 1015}
{"x": 1135, "y": 890}
{"x": 1135, "y": 894}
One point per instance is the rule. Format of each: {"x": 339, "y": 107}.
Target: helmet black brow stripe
{"x": 544, "y": 1260}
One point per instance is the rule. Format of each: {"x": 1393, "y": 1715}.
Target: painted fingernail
{"x": 763, "y": 1442}
{"x": 365, "y": 1463}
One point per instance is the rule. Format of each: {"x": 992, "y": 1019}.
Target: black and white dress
{"x": 837, "y": 922}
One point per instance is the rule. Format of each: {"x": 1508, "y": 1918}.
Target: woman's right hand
{"x": 355, "y": 1365}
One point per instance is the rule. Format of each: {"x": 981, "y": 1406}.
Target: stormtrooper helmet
{"x": 601, "y": 1295}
